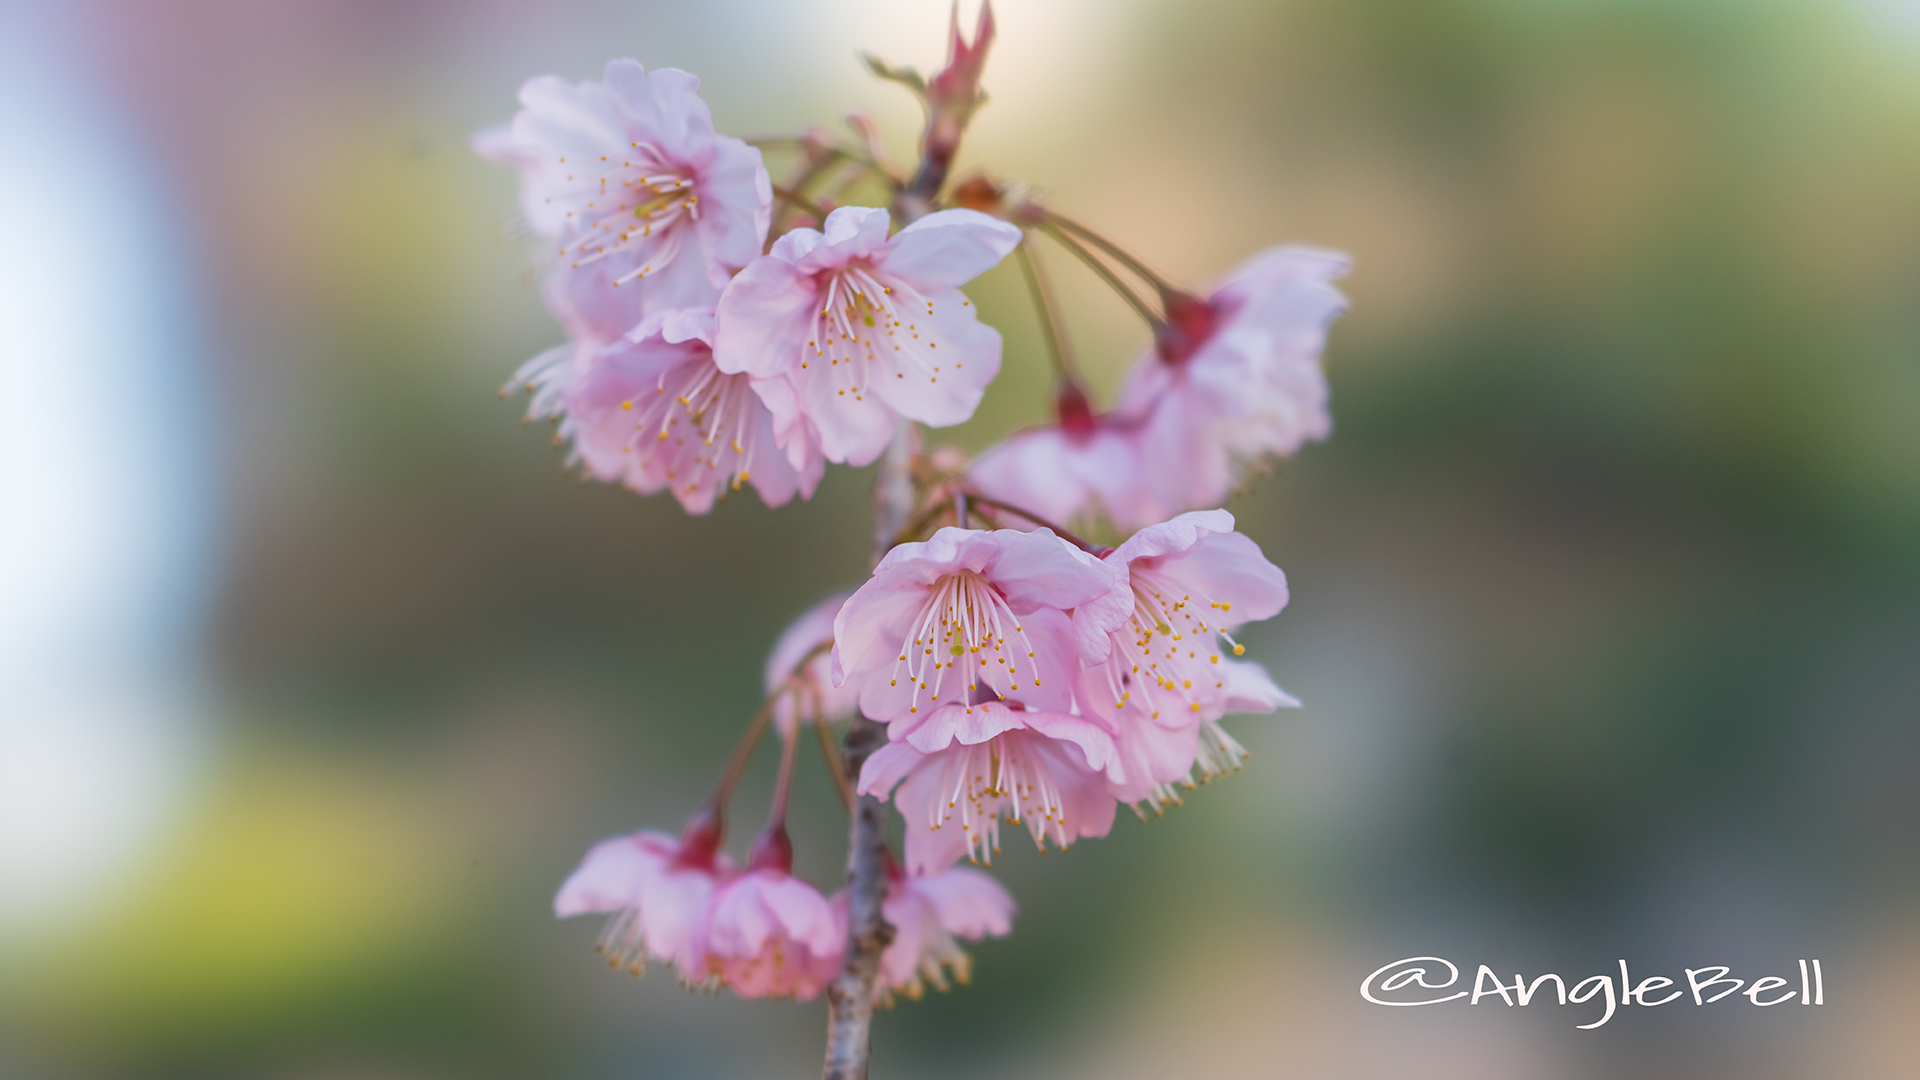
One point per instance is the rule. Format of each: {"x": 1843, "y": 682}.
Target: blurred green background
{"x": 1606, "y": 590}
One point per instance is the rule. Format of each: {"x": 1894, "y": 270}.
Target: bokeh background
{"x": 318, "y": 674}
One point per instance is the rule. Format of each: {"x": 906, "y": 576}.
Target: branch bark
{"x": 850, "y": 995}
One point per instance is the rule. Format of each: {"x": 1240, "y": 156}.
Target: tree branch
{"x": 850, "y": 995}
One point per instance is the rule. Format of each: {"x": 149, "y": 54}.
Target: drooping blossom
{"x": 1084, "y": 462}
{"x": 1168, "y": 679}
{"x": 1230, "y": 379}
{"x": 927, "y": 914}
{"x": 656, "y": 889}
{"x": 971, "y": 610}
{"x": 651, "y": 411}
{"x": 800, "y": 670}
{"x": 846, "y": 329}
{"x": 767, "y": 933}
{"x": 646, "y": 206}
{"x": 955, "y": 774}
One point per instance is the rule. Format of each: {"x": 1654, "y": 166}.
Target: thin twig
{"x": 1050, "y": 325}
{"x": 783, "y": 785}
{"x": 819, "y": 164}
{"x": 1125, "y": 257}
{"x": 1105, "y": 273}
{"x": 1037, "y": 520}
{"x": 794, "y": 198}
{"x": 743, "y": 753}
{"x": 836, "y": 769}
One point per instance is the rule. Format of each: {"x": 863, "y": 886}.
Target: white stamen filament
{"x": 960, "y": 635}
{"x": 1166, "y": 650}
{"x": 866, "y": 330}
{"x": 695, "y": 400}
{"x": 632, "y": 205}
{"x": 1003, "y": 776}
{"x": 622, "y": 943}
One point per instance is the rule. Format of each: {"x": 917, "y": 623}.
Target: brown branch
{"x": 850, "y": 995}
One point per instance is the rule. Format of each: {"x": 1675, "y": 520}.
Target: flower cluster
{"x": 1023, "y": 678}
{"x": 1230, "y": 379}
{"x": 995, "y": 668}
{"x": 696, "y": 364}
{"x": 763, "y": 932}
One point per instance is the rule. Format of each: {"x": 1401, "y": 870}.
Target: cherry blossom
{"x": 1085, "y": 462}
{"x": 767, "y": 933}
{"x": 657, "y": 890}
{"x": 1231, "y": 378}
{"x": 647, "y": 207}
{"x": 927, "y": 914}
{"x": 973, "y": 610}
{"x": 799, "y": 671}
{"x": 1167, "y": 680}
{"x": 955, "y": 775}
{"x": 846, "y": 329}
{"x": 651, "y": 411}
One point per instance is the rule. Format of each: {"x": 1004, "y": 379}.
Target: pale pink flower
{"x": 970, "y": 610}
{"x": 1085, "y": 462}
{"x": 657, "y": 890}
{"x": 769, "y": 934}
{"x": 1232, "y": 378}
{"x": 1167, "y": 680}
{"x": 800, "y": 669}
{"x": 651, "y": 411}
{"x": 646, "y": 206}
{"x": 846, "y": 329}
{"x": 965, "y": 767}
{"x": 927, "y": 914}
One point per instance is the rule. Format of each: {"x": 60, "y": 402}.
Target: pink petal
{"x": 1095, "y": 746}
{"x": 610, "y": 876}
{"x": 1229, "y": 567}
{"x": 969, "y": 903}
{"x": 885, "y": 768}
{"x": 949, "y": 247}
{"x": 966, "y": 724}
{"x": 1038, "y": 569}
{"x": 761, "y": 322}
{"x": 1250, "y": 689}
{"x": 938, "y": 363}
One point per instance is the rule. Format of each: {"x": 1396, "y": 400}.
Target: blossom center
{"x": 868, "y": 329}
{"x": 699, "y": 426}
{"x": 957, "y": 643}
{"x": 1166, "y": 649}
{"x": 978, "y": 784}
{"x": 631, "y": 205}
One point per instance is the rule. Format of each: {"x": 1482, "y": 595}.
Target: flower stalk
{"x": 1103, "y": 272}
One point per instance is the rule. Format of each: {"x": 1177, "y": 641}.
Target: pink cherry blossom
{"x": 1232, "y": 378}
{"x": 846, "y": 329}
{"x": 651, "y": 411}
{"x": 927, "y": 913}
{"x": 1085, "y": 462}
{"x": 657, "y": 890}
{"x": 974, "y": 610}
{"x": 646, "y": 206}
{"x": 965, "y": 767}
{"x": 1166, "y": 682}
{"x": 770, "y": 934}
{"x": 800, "y": 668}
